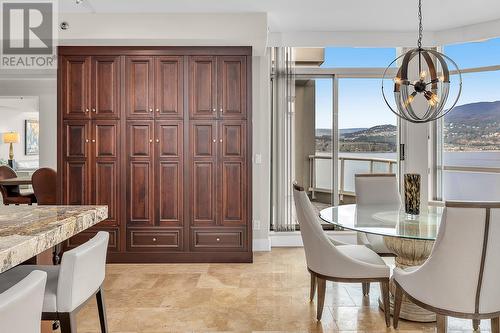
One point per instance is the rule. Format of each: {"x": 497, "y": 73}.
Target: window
{"x": 358, "y": 57}
{"x": 471, "y": 132}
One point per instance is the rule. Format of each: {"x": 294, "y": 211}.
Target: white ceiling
{"x": 317, "y": 15}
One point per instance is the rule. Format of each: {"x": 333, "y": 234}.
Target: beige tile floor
{"x": 270, "y": 295}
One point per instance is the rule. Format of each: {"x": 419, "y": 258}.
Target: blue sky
{"x": 356, "y": 96}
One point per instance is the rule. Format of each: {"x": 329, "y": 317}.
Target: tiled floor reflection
{"x": 270, "y": 295}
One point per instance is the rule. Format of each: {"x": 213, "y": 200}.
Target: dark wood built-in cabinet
{"x": 161, "y": 136}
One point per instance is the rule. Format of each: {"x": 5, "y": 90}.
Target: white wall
{"x": 46, "y": 91}
{"x": 13, "y": 112}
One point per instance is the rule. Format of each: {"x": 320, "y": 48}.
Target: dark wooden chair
{"x": 12, "y": 194}
{"x": 44, "y": 185}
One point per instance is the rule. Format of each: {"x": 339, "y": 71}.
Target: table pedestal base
{"x": 409, "y": 253}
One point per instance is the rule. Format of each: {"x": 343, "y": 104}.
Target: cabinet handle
{"x": 154, "y": 239}
{"x": 218, "y": 239}
{"x": 157, "y": 140}
{"x": 150, "y": 110}
{"x": 150, "y": 140}
{"x": 93, "y": 110}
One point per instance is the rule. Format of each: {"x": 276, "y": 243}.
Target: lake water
{"x": 456, "y": 185}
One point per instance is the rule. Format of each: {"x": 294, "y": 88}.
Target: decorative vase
{"x": 412, "y": 193}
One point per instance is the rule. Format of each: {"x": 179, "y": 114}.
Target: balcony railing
{"x": 320, "y": 172}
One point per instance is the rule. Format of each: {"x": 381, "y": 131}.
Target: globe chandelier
{"x": 422, "y": 83}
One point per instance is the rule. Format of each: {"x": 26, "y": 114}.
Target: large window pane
{"x": 367, "y": 133}
{"x": 475, "y": 54}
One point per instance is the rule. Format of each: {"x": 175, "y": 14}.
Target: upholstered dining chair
{"x": 44, "y": 182}
{"x": 12, "y": 194}
{"x": 376, "y": 189}
{"x": 460, "y": 278}
{"x": 71, "y": 284}
{"x": 342, "y": 263}
{"x": 21, "y": 304}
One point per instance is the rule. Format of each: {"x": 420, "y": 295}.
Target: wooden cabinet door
{"x": 203, "y": 169}
{"x": 140, "y": 168}
{"x": 169, "y": 97}
{"x": 169, "y": 173}
{"x": 106, "y": 186}
{"x": 202, "y": 87}
{"x": 232, "y": 86}
{"x": 139, "y": 77}
{"x": 75, "y": 158}
{"x": 105, "y": 87}
{"x": 75, "y": 81}
{"x": 232, "y": 173}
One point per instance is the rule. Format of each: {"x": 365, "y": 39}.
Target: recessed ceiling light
{"x": 79, "y": 2}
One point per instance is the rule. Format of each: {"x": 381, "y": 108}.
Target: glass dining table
{"x": 409, "y": 237}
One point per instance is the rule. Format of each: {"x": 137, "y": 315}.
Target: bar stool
{"x": 71, "y": 284}
{"x": 21, "y": 305}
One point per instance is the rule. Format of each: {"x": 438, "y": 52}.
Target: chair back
{"x": 44, "y": 181}
{"x": 316, "y": 243}
{"x": 82, "y": 272}
{"x": 464, "y": 268}
{"x": 21, "y": 305}
{"x": 377, "y": 189}
{"x": 7, "y": 172}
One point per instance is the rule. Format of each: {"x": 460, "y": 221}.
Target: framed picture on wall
{"x": 31, "y": 137}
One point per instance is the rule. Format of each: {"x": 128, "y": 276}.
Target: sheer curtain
{"x": 283, "y": 97}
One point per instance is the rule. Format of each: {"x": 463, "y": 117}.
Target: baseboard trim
{"x": 261, "y": 245}
{"x": 293, "y": 238}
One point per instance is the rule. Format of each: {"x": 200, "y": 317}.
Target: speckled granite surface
{"x": 26, "y": 231}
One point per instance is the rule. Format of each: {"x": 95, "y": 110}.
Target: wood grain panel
{"x": 106, "y": 188}
{"x": 84, "y": 236}
{"x": 76, "y": 182}
{"x": 169, "y": 87}
{"x": 203, "y": 137}
{"x": 76, "y": 139}
{"x": 170, "y": 138}
{"x": 140, "y": 193}
{"x": 203, "y": 193}
{"x": 202, "y": 87}
{"x": 154, "y": 239}
{"x": 75, "y": 87}
{"x": 105, "y": 89}
{"x": 106, "y": 136}
{"x": 170, "y": 193}
{"x": 233, "y": 135}
{"x": 140, "y": 139}
{"x": 222, "y": 239}
{"x": 140, "y": 87}
{"x": 233, "y": 186}
{"x": 232, "y": 86}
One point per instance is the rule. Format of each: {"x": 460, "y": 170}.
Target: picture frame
{"x": 31, "y": 137}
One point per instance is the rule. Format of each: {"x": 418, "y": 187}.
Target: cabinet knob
{"x": 86, "y": 110}
{"x": 214, "y": 140}
{"x": 93, "y": 140}
{"x": 217, "y": 239}
{"x": 157, "y": 140}
{"x": 93, "y": 110}
{"x": 150, "y": 110}
{"x": 220, "y": 140}
{"x": 150, "y": 140}
{"x": 214, "y": 110}
{"x": 86, "y": 140}
{"x": 154, "y": 239}
{"x": 157, "y": 110}
{"x": 220, "y": 110}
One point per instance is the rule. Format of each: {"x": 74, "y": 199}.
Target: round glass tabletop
{"x": 385, "y": 220}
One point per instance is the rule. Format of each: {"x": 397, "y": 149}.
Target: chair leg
{"x": 398, "y": 299}
{"x": 495, "y": 325}
{"x": 67, "y": 322}
{"x": 384, "y": 286}
{"x": 321, "y": 297}
{"x": 366, "y": 288}
{"x": 313, "y": 287}
{"x": 102, "y": 310}
{"x": 475, "y": 324}
{"x": 441, "y": 323}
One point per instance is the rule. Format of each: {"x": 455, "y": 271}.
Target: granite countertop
{"x": 26, "y": 231}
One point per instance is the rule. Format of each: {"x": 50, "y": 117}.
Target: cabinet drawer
{"x": 218, "y": 239}
{"x": 155, "y": 240}
{"x": 86, "y": 235}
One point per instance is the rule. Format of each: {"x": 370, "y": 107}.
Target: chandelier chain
{"x": 420, "y": 26}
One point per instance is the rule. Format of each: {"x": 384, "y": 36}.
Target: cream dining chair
{"x": 343, "y": 263}
{"x": 21, "y": 304}
{"x": 461, "y": 276}
{"x": 376, "y": 189}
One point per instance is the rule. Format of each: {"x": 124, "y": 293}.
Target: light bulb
{"x": 423, "y": 74}
{"x": 409, "y": 100}
{"x": 397, "y": 80}
{"x": 441, "y": 78}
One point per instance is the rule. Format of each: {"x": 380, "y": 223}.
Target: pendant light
{"x": 422, "y": 83}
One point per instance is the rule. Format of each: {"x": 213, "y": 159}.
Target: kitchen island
{"x": 26, "y": 231}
